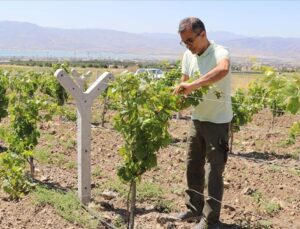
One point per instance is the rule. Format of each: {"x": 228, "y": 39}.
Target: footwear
{"x": 189, "y": 216}
{"x": 205, "y": 225}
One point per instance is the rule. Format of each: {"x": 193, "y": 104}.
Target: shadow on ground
{"x": 261, "y": 155}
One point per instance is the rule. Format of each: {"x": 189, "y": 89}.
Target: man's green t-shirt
{"x": 211, "y": 109}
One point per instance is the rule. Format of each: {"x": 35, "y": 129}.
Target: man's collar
{"x": 208, "y": 50}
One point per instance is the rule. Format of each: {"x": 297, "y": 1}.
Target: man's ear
{"x": 203, "y": 33}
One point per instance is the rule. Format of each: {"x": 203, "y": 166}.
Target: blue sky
{"x": 250, "y": 18}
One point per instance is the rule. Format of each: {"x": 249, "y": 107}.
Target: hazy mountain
{"x": 288, "y": 48}
{"x": 224, "y": 36}
{"x": 27, "y": 36}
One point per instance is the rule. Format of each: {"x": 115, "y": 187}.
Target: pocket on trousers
{"x": 225, "y": 146}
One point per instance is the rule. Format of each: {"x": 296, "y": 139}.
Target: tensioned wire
{"x": 249, "y": 128}
{"x": 228, "y": 101}
{"x": 224, "y": 101}
{"x": 255, "y": 128}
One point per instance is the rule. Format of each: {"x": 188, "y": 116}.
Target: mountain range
{"x": 27, "y": 36}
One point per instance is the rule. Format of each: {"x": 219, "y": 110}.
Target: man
{"x": 208, "y": 137}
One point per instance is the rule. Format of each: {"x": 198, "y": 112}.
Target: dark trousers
{"x": 206, "y": 159}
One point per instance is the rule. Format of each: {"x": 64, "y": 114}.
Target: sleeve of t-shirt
{"x": 222, "y": 53}
{"x": 184, "y": 65}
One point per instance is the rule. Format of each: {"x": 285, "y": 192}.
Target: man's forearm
{"x": 212, "y": 76}
{"x": 184, "y": 78}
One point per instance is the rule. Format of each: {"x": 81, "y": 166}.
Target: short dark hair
{"x": 193, "y": 23}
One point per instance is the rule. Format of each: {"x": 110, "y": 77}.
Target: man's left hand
{"x": 184, "y": 88}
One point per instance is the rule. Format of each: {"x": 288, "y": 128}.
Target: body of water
{"x": 86, "y": 55}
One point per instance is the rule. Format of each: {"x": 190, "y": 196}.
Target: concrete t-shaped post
{"x": 84, "y": 102}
